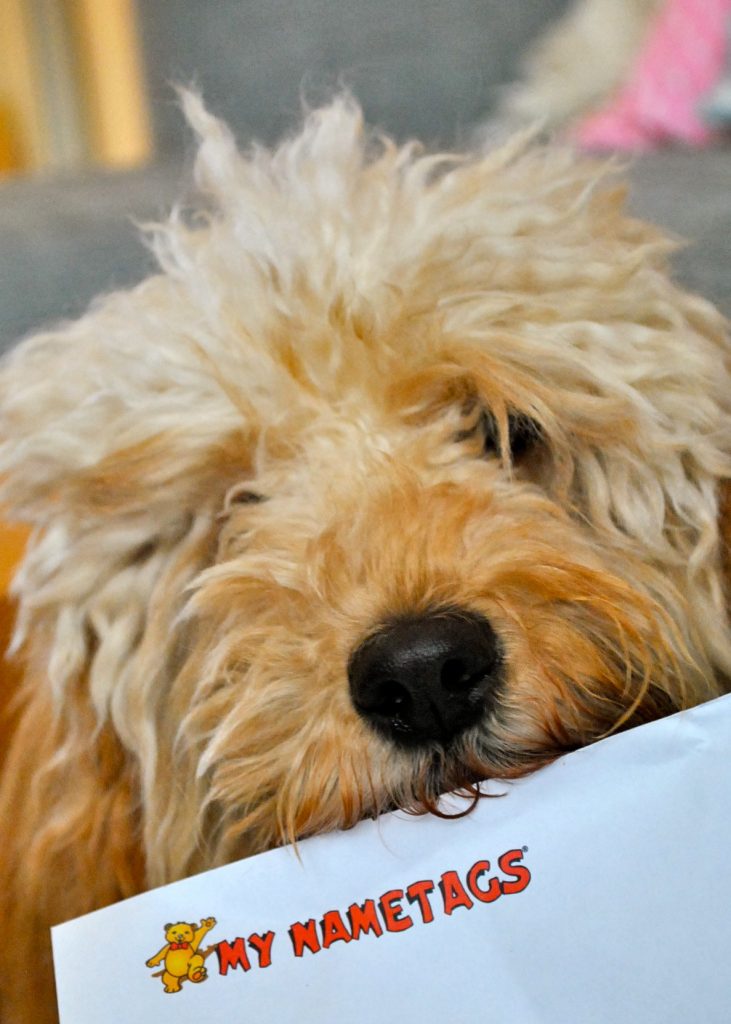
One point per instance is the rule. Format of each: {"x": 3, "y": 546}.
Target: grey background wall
{"x": 425, "y": 68}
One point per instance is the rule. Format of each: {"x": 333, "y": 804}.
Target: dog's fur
{"x": 326, "y": 334}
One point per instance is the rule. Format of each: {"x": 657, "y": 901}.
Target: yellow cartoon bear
{"x": 180, "y": 954}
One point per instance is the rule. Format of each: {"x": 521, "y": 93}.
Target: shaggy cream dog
{"x": 404, "y": 471}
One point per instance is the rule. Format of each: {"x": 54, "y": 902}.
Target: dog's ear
{"x": 119, "y": 436}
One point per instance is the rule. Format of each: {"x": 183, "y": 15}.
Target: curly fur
{"x": 324, "y": 333}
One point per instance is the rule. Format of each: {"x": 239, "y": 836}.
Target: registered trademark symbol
{"x": 525, "y": 849}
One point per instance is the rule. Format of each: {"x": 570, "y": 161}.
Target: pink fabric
{"x": 680, "y": 62}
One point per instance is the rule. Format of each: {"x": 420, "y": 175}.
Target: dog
{"x": 406, "y": 470}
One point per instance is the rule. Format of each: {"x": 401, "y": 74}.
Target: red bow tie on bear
{"x": 179, "y": 945}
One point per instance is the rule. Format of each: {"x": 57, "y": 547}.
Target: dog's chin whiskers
{"x": 439, "y": 773}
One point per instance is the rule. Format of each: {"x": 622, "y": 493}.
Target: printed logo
{"x": 420, "y": 903}
{"x": 181, "y": 957}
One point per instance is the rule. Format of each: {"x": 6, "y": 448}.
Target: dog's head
{"x": 404, "y": 472}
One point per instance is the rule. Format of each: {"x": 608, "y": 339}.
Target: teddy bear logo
{"x": 181, "y": 956}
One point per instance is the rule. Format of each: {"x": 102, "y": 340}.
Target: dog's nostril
{"x": 388, "y": 698}
{"x": 391, "y": 710}
{"x": 427, "y": 678}
{"x": 395, "y": 699}
{"x": 455, "y": 676}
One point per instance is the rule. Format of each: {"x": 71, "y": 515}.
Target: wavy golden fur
{"x": 328, "y": 331}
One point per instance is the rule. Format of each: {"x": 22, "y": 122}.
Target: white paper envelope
{"x": 597, "y": 890}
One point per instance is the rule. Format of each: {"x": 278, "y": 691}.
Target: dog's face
{"x": 405, "y": 474}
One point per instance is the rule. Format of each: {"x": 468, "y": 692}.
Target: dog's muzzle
{"x": 426, "y": 679}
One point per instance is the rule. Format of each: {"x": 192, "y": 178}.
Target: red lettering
{"x": 453, "y": 892}
{"x": 493, "y": 886}
{"x": 304, "y": 936}
{"x": 519, "y": 872}
{"x": 418, "y": 892}
{"x": 392, "y": 911}
{"x": 263, "y": 946}
{"x": 232, "y": 955}
{"x": 333, "y": 929}
{"x": 363, "y": 919}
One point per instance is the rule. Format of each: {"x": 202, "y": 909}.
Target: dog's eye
{"x": 241, "y": 495}
{"x": 246, "y": 498}
{"x": 523, "y": 434}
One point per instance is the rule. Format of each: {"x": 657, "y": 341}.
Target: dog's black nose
{"x": 426, "y": 678}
